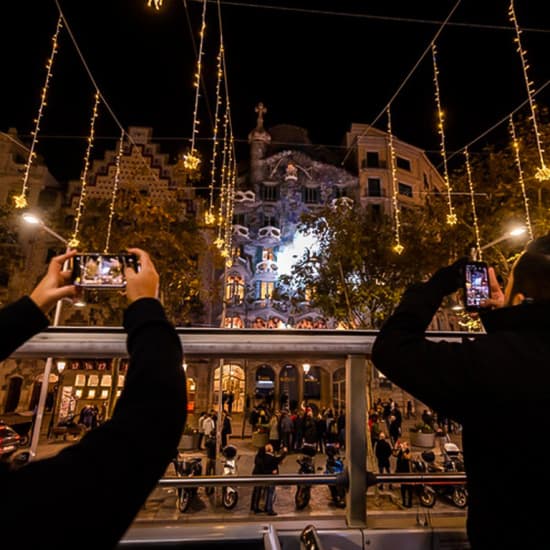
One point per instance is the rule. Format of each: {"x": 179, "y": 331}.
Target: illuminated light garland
{"x": 473, "y": 203}
{"x": 21, "y": 199}
{"x": 210, "y": 217}
{"x": 224, "y": 195}
{"x": 115, "y": 191}
{"x": 397, "y": 247}
{"x": 543, "y": 172}
{"x": 192, "y": 160}
{"x": 74, "y": 241}
{"x": 515, "y": 146}
{"x": 451, "y": 216}
{"x": 157, "y": 4}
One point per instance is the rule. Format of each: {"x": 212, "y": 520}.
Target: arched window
{"x": 233, "y": 387}
{"x": 234, "y": 289}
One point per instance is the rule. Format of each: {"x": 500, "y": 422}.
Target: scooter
{"x": 230, "y": 496}
{"x": 426, "y": 493}
{"x": 452, "y": 462}
{"x": 303, "y": 492}
{"x": 335, "y": 465}
{"x": 187, "y": 468}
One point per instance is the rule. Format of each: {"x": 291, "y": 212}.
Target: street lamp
{"x": 32, "y": 219}
{"x": 306, "y": 367}
{"x": 514, "y": 232}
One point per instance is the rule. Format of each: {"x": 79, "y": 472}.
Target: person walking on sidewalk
{"x": 271, "y": 463}
{"x": 200, "y": 427}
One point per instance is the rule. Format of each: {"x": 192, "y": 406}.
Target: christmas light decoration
{"x": 192, "y": 160}
{"x": 21, "y": 199}
{"x": 451, "y": 216}
{"x": 74, "y": 241}
{"x": 114, "y": 192}
{"x": 210, "y": 217}
{"x": 157, "y": 4}
{"x": 543, "y": 172}
{"x": 515, "y": 146}
{"x": 397, "y": 247}
{"x": 473, "y": 203}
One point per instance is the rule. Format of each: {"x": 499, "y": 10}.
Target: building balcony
{"x": 269, "y": 235}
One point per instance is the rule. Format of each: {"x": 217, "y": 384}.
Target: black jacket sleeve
{"x": 433, "y": 372}
{"x": 88, "y": 495}
{"x": 18, "y": 322}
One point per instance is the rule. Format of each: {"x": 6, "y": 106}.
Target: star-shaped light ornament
{"x": 398, "y": 248}
{"x": 191, "y": 161}
{"x": 451, "y": 219}
{"x": 73, "y": 243}
{"x": 218, "y": 242}
{"x": 472, "y": 324}
{"x": 209, "y": 218}
{"x": 542, "y": 173}
{"x": 20, "y": 201}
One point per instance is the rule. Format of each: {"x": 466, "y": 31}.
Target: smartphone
{"x": 309, "y": 539}
{"x": 476, "y": 285}
{"x": 102, "y": 271}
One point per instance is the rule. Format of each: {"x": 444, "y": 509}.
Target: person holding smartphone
{"x": 113, "y": 468}
{"x": 485, "y": 374}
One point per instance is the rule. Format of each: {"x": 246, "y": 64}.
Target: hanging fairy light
{"x": 473, "y": 203}
{"x": 114, "y": 192}
{"x": 397, "y": 247}
{"x": 515, "y": 146}
{"x": 210, "y": 217}
{"x": 74, "y": 241}
{"x": 157, "y": 4}
{"x": 21, "y": 199}
{"x": 451, "y": 216}
{"x": 543, "y": 171}
{"x": 192, "y": 160}
{"x": 224, "y": 195}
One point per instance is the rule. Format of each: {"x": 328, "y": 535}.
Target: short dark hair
{"x": 532, "y": 271}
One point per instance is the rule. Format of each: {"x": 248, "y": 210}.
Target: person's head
{"x": 530, "y": 275}
{"x": 381, "y": 435}
{"x": 268, "y": 448}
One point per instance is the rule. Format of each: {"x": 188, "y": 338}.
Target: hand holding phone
{"x": 476, "y": 285}
{"x": 96, "y": 270}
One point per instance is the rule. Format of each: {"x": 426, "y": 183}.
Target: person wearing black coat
{"x": 383, "y": 451}
{"x": 488, "y": 372}
{"x": 110, "y": 468}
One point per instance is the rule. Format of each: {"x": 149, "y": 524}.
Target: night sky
{"x": 321, "y": 65}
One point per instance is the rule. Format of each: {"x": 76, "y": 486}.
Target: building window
{"x": 267, "y": 254}
{"x": 373, "y": 187}
{"x": 405, "y": 189}
{"x": 266, "y": 289}
{"x": 239, "y": 219}
{"x": 311, "y": 195}
{"x": 234, "y": 289}
{"x": 404, "y": 164}
{"x": 270, "y": 221}
{"x": 339, "y": 192}
{"x": 373, "y": 159}
{"x": 269, "y": 193}
{"x": 375, "y": 211}
{"x": 426, "y": 181}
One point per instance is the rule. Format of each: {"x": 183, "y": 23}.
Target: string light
{"x": 515, "y": 146}
{"x": 224, "y": 195}
{"x": 21, "y": 199}
{"x": 157, "y": 4}
{"x": 74, "y": 241}
{"x": 210, "y": 217}
{"x": 114, "y": 192}
{"x": 192, "y": 160}
{"x": 397, "y": 247}
{"x": 543, "y": 172}
{"x": 473, "y": 203}
{"x": 451, "y": 216}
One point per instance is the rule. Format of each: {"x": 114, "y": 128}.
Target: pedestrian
{"x": 210, "y": 446}
{"x": 274, "y": 436}
{"x": 226, "y": 429}
{"x": 86, "y": 469}
{"x": 404, "y": 465}
{"x": 258, "y": 489}
{"x": 271, "y": 462}
{"x": 286, "y": 427}
{"x": 230, "y": 399}
{"x": 383, "y": 451}
{"x": 209, "y": 426}
{"x": 465, "y": 380}
{"x": 200, "y": 427}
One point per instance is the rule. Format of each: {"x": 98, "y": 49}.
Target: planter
{"x": 259, "y": 439}
{"x": 188, "y": 442}
{"x": 420, "y": 439}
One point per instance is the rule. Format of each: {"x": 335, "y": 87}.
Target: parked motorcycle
{"x": 335, "y": 465}
{"x": 230, "y": 496}
{"x": 190, "y": 467}
{"x": 426, "y": 493}
{"x": 303, "y": 492}
{"x": 452, "y": 462}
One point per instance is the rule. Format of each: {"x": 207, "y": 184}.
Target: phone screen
{"x": 96, "y": 270}
{"x": 476, "y": 285}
